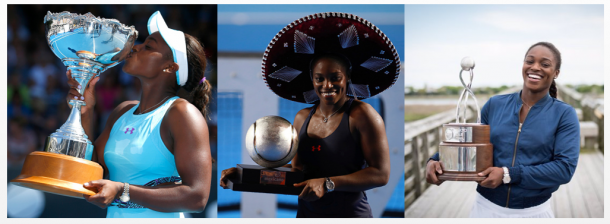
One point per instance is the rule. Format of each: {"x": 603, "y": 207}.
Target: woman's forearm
{"x": 362, "y": 180}
{"x": 171, "y": 198}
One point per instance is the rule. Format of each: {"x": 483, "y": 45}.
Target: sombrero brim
{"x": 375, "y": 62}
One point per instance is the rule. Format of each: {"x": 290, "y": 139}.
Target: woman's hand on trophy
{"x": 494, "y": 177}
{"x": 433, "y": 168}
{"x": 314, "y": 189}
{"x": 226, "y": 175}
{"x": 107, "y": 191}
{"x": 88, "y": 95}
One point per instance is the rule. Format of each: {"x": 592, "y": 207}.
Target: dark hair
{"x": 557, "y": 55}
{"x": 199, "y": 92}
{"x": 343, "y": 61}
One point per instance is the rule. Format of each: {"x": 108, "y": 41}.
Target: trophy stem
{"x": 71, "y": 139}
{"x": 73, "y": 124}
{"x": 464, "y": 100}
{"x": 82, "y": 70}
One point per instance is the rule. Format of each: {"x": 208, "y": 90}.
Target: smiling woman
{"x": 351, "y": 140}
{"x": 334, "y": 60}
{"x": 330, "y": 75}
{"x": 155, "y": 151}
{"x": 536, "y": 140}
{"x": 541, "y": 68}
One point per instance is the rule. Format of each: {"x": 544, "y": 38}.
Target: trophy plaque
{"x": 271, "y": 142}
{"x": 87, "y": 46}
{"x": 465, "y": 149}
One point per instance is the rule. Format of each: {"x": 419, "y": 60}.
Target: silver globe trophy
{"x": 87, "y": 45}
{"x": 271, "y": 142}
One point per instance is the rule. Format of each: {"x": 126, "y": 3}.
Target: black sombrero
{"x": 375, "y": 62}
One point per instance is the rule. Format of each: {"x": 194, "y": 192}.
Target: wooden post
{"x": 416, "y": 165}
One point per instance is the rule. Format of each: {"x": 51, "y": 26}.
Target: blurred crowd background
{"x": 37, "y": 85}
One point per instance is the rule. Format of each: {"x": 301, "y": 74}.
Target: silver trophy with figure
{"x": 465, "y": 149}
{"x": 87, "y": 46}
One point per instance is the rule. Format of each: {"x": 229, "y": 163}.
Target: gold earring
{"x": 165, "y": 70}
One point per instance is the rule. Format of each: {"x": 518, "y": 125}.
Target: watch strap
{"x": 506, "y": 176}
{"x": 125, "y": 196}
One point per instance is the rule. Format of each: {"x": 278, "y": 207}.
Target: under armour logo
{"x": 130, "y": 132}
{"x": 313, "y": 148}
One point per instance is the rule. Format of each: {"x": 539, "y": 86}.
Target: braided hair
{"x": 199, "y": 92}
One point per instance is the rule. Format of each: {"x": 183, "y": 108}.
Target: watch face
{"x": 124, "y": 198}
{"x": 330, "y": 186}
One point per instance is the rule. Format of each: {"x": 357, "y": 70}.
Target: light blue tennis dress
{"x": 136, "y": 154}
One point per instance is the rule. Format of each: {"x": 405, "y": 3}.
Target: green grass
{"x": 416, "y": 112}
{"x": 414, "y": 117}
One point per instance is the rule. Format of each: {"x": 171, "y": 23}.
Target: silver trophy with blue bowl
{"x": 87, "y": 46}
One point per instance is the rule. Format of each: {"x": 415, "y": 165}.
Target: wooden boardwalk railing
{"x": 582, "y": 197}
{"x": 422, "y": 138}
{"x": 592, "y": 111}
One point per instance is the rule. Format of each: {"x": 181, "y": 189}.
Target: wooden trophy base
{"x": 465, "y": 151}
{"x": 461, "y": 176}
{"x": 58, "y": 174}
{"x": 252, "y": 178}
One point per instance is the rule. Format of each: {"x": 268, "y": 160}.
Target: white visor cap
{"x": 175, "y": 41}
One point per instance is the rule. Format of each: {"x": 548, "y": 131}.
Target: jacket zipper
{"x": 515, "y": 150}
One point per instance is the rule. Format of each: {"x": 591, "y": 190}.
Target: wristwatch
{"x": 125, "y": 196}
{"x": 506, "y": 178}
{"x": 330, "y": 185}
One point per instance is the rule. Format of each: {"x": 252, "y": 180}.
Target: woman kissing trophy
{"x": 87, "y": 45}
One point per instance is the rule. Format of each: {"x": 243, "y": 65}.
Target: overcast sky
{"x": 437, "y": 37}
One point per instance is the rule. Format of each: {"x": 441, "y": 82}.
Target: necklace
{"x": 326, "y": 118}
{"x": 528, "y": 106}
{"x": 163, "y": 100}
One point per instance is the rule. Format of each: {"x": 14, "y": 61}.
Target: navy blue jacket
{"x": 539, "y": 158}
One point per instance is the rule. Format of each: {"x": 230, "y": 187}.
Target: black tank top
{"x": 336, "y": 155}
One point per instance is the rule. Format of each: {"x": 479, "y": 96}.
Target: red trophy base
{"x": 58, "y": 174}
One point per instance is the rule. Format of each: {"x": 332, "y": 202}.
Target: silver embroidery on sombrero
{"x": 349, "y": 37}
{"x": 151, "y": 183}
{"x": 311, "y": 96}
{"x": 376, "y": 64}
{"x": 303, "y": 44}
{"x": 285, "y": 73}
{"x": 359, "y": 90}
